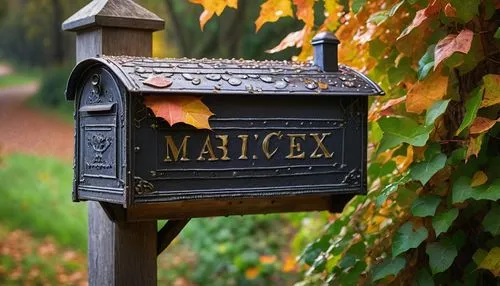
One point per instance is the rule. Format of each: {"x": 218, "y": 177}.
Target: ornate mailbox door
{"x": 100, "y": 118}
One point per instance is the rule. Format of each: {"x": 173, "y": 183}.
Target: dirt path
{"x": 29, "y": 131}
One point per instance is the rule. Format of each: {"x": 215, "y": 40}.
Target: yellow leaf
{"x": 479, "y": 179}
{"x": 204, "y": 17}
{"x": 424, "y": 93}
{"x": 305, "y": 11}
{"x": 492, "y": 261}
{"x": 213, "y": 6}
{"x": 403, "y": 162}
{"x": 290, "y": 264}
{"x": 474, "y": 146}
{"x": 272, "y": 10}
{"x": 332, "y": 9}
{"x": 176, "y": 109}
{"x": 491, "y": 90}
{"x": 267, "y": 259}
{"x": 252, "y": 273}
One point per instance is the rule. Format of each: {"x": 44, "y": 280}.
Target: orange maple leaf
{"x": 213, "y": 7}
{"x": 424, "y": 93}
{"x": 180, "y": 109}
{"x": 272, "y": 10}
{"x": 305, "y": 11}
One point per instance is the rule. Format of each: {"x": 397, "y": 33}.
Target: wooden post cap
{"x": 114, "y": 13}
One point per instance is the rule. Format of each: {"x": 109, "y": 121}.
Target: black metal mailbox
{"x": 285, "y": 137}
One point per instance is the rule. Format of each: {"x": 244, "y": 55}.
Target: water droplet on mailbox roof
{"x": 196, "y": 81}
{"x": 234, "y": 81}
{"x": 281, "y": 84}
{"x": 187, "y": 76}
{"x": 214, "y": 77}
{"x": 267, "y": 79}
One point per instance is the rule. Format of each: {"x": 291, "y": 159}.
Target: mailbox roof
{"x": 221, "y": 76}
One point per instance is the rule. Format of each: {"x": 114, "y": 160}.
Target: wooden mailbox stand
{"x": 285, "y": 137}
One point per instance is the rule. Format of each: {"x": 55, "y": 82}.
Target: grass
{"x": 36, "y": 196}
{"x": 17, "y": 79}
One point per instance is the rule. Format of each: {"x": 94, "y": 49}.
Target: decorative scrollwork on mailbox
{"x": 99, "y": 143}
{"x": 353, "y": 177}
{"x": 142, "y": 186}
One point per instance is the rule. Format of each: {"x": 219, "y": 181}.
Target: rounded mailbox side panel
{"x": 99, "y": 140}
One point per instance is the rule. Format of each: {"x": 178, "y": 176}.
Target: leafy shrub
{"x": 431, "y": 216}
{"x": 52, "y": 88}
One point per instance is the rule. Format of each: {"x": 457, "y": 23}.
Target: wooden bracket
{"x": 168, "y": 232}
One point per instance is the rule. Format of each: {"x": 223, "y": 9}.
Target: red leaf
{"x": 450, "y": 11}
{"x": 158, "y": 81}
{"x": 481, "y": 125}
{"x": 430, "y": 11}
{"x": 451, "y": 44}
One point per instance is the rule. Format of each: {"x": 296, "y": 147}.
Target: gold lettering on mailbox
{"x": 320, "y": 145}
{"x": 207, "y": 149}
{"x": 176, "y": 150}
{"x": 295, "y": 146}
{"x": 244, "y": 147}
{"x": 265, "y": 144}
{"x": 223, "y": 147}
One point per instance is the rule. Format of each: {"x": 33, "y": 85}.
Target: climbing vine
{"x": 431, "y": 215}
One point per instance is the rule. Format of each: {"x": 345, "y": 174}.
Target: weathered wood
{"x": 168, "y": 233}
{"x": 209, "y": 208}
{"x": 113, "y": 13}
{"x": 113, "y": 42}
{"x": 120, "y": 253}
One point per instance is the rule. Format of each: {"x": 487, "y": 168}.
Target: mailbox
{"x": 285, "y": 136}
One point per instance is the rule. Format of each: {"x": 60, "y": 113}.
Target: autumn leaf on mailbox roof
{"x": 180, "y": 109}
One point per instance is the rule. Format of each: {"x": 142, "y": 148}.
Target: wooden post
{"x": 118, "y": 253}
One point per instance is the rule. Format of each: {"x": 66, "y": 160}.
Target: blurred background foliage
{"x": 422, "y": 220}
{"x": 43, "y": 235}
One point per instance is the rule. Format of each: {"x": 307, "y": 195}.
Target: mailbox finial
{"x": 326, "y": 51}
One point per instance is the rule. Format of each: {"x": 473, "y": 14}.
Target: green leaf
{"x": 491, "y": 221}
{"x": 378, "y": 18}
{"x": 407, "y": 237}
{"x": 492, "y": 261}
{"x": 395, "y": 8}
{"x": 357, "y": 5}
{"x": 425, "y": 206}
{"x": 423, "y": 278}
{"x": 497, "y": 34}
{"x": 424, "y": 171}
{"x": 441, "y": 255}
{"x": 466, "y": 9}
{"x": 390, "y": 267}
{"x": 492, "y": 192}
{"x": 377, "y": 48}
{"x": 479, "y": 256}
{"x": 471, "y": 106}
{"x": 438, "y": 108}
{"x": 402, "y": 130}
{"x": 426, "y": 63}
{"x": 461, "y": 190}
{"x": 442, "y": 221}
